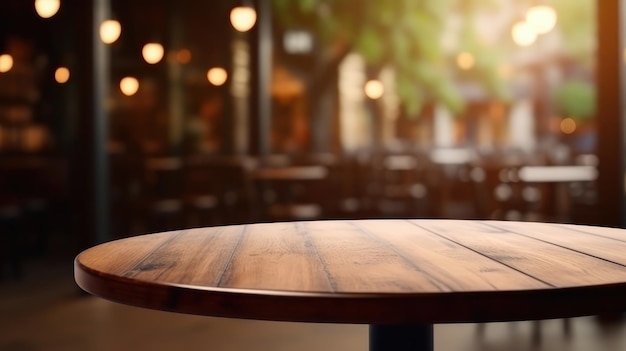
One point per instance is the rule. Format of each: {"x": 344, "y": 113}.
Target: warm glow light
{"x": 374, "y": 89}
{"x": 47, "y": 8}
{"x": 217, "y": 76}
{"x": 152, "y": 53}
{"x": 465, "y": 60}
{"x": 110, "y": 31}
{"x": 505, "y": 71}
{"x": 541, "y": 18}
{"x": 243, "y": 18}
{"x": 183, "y": 56}
{"x": 6, "y": 63}
{"x": 62, "y": 75}
{"x": 523, "y": 34}
{"x": 568, "y": 126}
{"x": 129, "y": 86}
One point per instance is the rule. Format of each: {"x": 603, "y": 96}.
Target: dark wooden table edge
{"x": 355, "y": 308}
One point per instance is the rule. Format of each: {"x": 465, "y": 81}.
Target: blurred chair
{"x": 290, "y": 192}
{"x": 455, "y": 182}
{"x": 363, "y": 174}
{"x": 404, "y": 191}
{"x": 340, "y": 181}
{"x": 584, "y": 199}
{"x": 504, "y": 195}
{"x": 162, "y": 199}
{"x": 124, "y": 192}
{"x": 233, "y": 188}
{"x": 201, "y": 192}
{"x": 33, "y": 195}
{"x": 536, "y": 332}
{"x": 10, "y": 248}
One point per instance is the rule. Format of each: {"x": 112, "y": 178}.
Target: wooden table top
{"x": 367, "y": 271}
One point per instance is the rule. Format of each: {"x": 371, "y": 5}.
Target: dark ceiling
{"x": 201, "y": 26}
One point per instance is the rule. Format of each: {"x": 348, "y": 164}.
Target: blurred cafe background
{"x": 120, "y": 118}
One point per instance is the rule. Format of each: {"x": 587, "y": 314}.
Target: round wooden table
{"x": 399, "y": 276}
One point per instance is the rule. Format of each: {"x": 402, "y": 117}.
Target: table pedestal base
{"x": 403, "y": 337}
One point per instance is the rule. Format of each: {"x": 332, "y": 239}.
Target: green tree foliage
{"x": 577, "y": 27}
{"x": 576, "y": 99}
{"x": 405, "y": 34}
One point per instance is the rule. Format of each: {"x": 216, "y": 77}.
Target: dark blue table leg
{"x": 401, "y": 337}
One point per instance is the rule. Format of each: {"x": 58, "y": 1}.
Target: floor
{"x": 46, "y": 311}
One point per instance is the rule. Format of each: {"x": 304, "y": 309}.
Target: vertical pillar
{"x": 102, "y": 75}
{"x": 175, "y": 74}
{"x": 264, "y": 75}
{"x": 90, "y": 168}
{"x": 261, "y": 52}
{"x": 610, "y": 113}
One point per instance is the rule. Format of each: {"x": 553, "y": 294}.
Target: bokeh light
{"x": 541, "y": 18}
{"x": 568, "y": 125}
{"x": 523, "y": 34}
{"x": 243, "y": 18}
{"x": 62, "y": 75}
{"x": 110, "y": 31}
{"x": 6, "y": 63}
{"x": 465, "y": 60}
{"x": 129, "y": 86}
{"x": 374, "y": 89}
{"x": 152, "y": 53}
{"x": 217, "y": 76}
{"x": 47, "y": 8}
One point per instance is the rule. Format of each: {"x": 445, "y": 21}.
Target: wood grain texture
{"x": 367, "y": 271}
